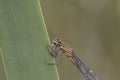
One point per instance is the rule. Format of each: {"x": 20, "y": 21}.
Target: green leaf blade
{"x": 24, "y": 42}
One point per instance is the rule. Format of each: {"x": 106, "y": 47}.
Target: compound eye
{"x": 58, "y": 40}
{"x": 54, "y": 43}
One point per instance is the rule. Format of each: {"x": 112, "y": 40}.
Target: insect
{"x": 58, "y": 46}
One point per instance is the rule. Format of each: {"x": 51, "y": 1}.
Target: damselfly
{"x": 59, "y": 46}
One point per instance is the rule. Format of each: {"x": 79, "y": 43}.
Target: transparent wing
{"x": 87, "y": 73}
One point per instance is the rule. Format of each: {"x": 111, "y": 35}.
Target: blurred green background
{"x": 92, "y": 28}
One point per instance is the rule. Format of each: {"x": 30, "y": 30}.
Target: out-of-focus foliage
{"x": 92, "y": 28}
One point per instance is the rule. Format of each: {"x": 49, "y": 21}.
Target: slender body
{"x": 59, "y": 46}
